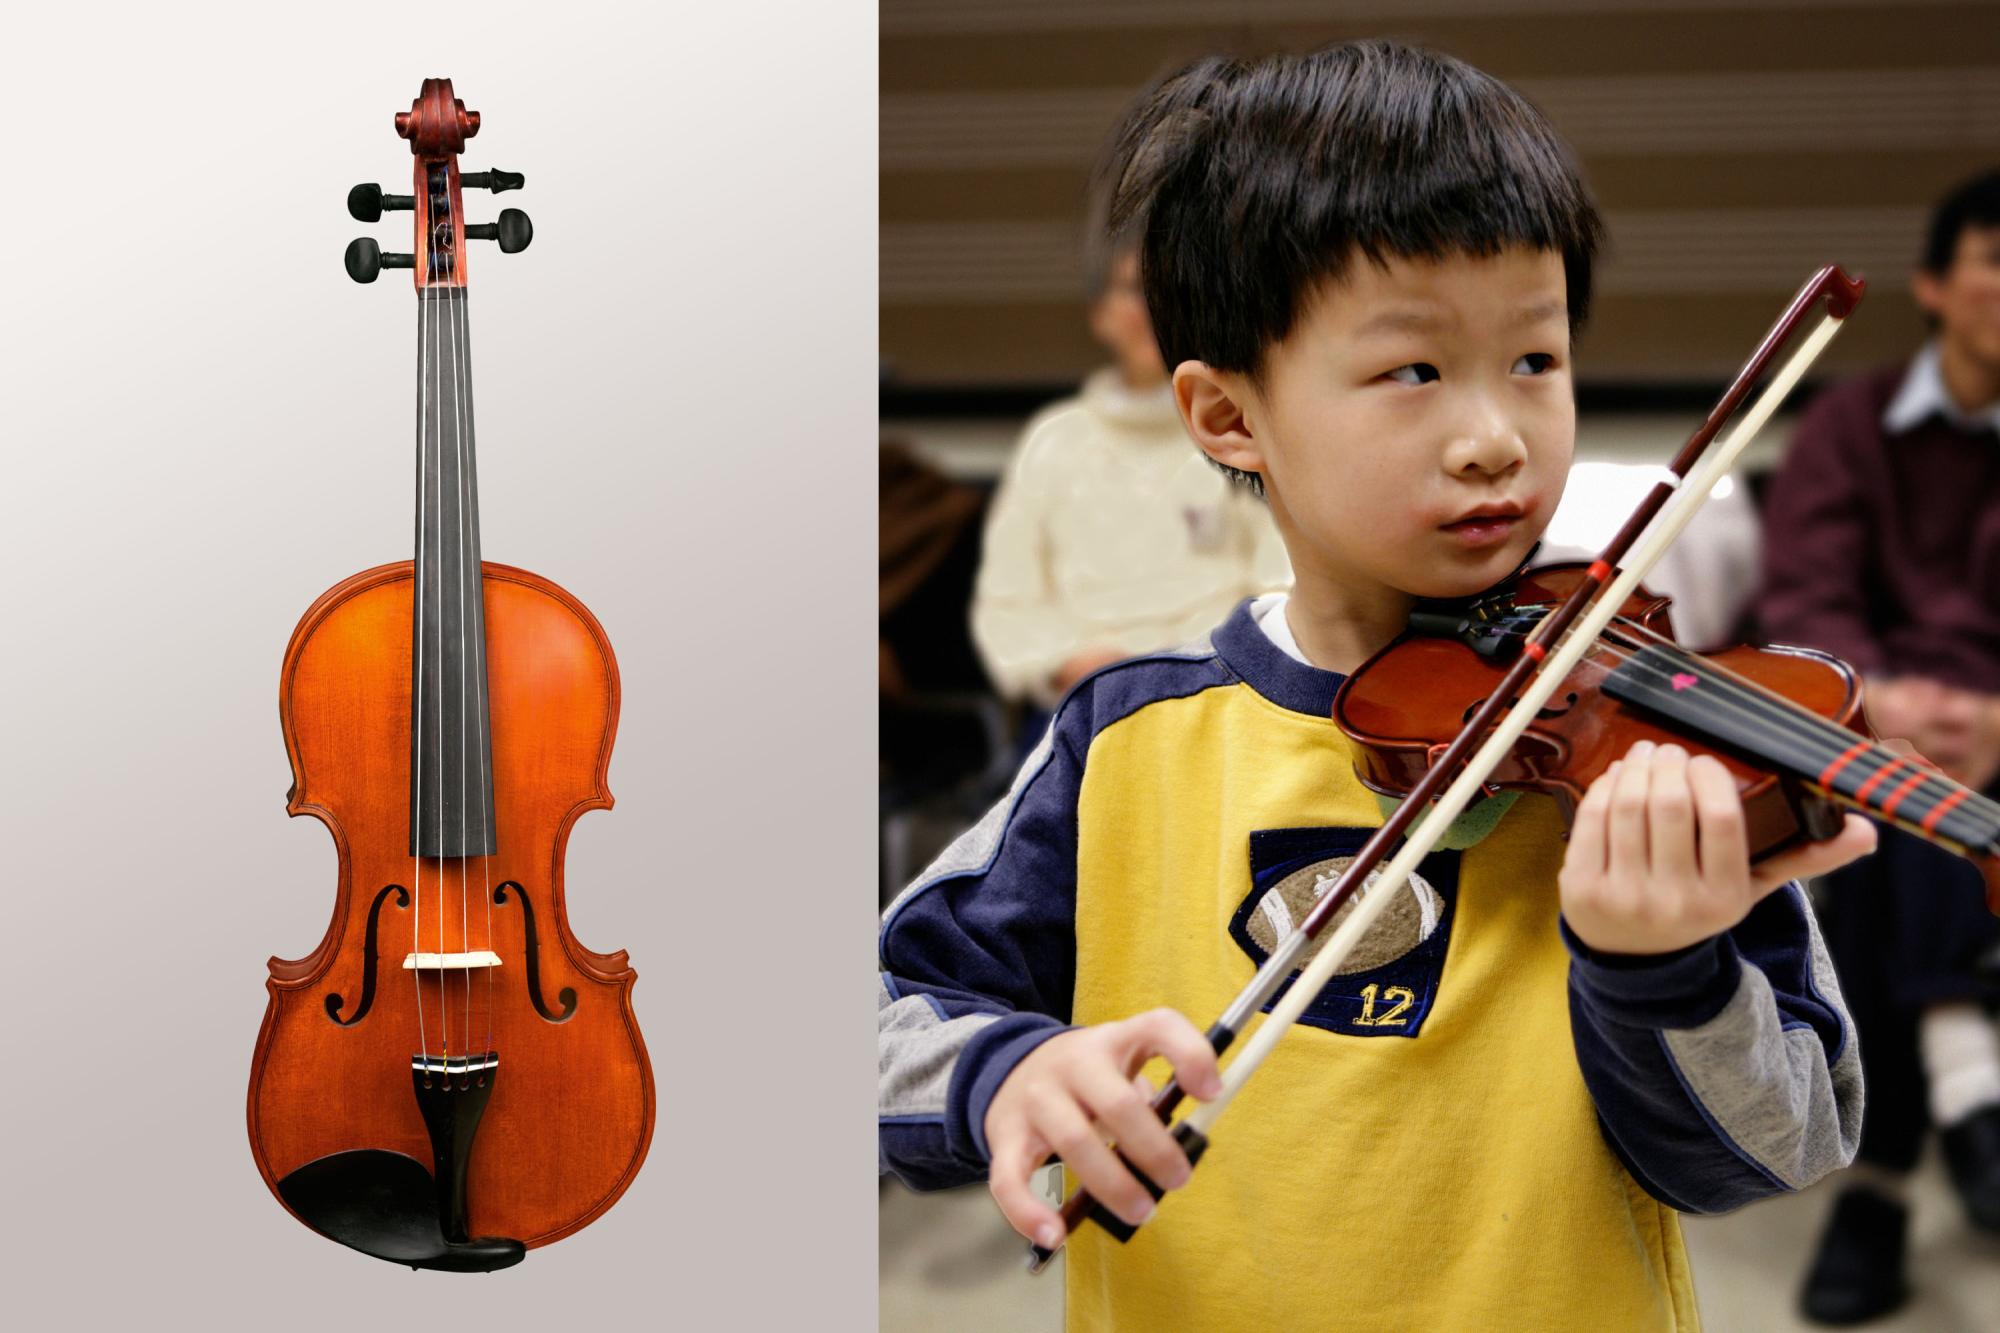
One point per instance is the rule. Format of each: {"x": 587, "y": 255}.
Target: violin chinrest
{"x": 384, "y": 1204}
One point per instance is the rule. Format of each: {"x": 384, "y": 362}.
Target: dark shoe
{"x": 1858, "y": 1273}
{"x": 1972, "y": 1159}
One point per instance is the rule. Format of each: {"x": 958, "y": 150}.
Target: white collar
{"x": 1269, "y": 613}
{"x": 1106, "y": 393}
{"x": 1923, "y": 395}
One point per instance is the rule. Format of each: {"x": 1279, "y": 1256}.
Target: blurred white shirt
{"x": 1710, "y": 571}
{"x": 1111, "y": 530}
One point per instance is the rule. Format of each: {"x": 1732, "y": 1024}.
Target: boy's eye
{"x": 1417, "y": 372}
{"x": 1534, "y": 363}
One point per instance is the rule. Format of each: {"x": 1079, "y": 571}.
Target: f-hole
{"x": 1569, "y": 702}
{"x": 566, "y": 997}
{"x": 334, "y": 1002}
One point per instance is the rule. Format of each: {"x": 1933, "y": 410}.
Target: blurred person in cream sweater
{"x": 1111, "y": 536}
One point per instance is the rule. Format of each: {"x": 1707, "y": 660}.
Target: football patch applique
{"x": 1387, "y": 985}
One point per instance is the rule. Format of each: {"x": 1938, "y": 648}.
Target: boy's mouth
{"x": 1488, "y": 525}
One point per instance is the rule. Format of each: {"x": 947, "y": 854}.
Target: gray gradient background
{"x": 206, "y": 425}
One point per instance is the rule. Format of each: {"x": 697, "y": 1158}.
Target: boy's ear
{"x": 1212, "y": 406}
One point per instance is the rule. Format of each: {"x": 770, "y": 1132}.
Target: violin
{"x": 450, "y": 1078}
{"x": 1787, "y": 723}
{"x": 1541, "y": 683}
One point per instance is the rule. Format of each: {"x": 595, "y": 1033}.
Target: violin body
{"x": 1405, "y": 704}
{"x": 571, "y": 1114}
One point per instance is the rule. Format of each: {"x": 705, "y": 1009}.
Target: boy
{"x": 1365, "y": 265}
{"x": 1893, "y": 562}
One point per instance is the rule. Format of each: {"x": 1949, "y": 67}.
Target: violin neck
{"x": 451, "y": 760}
{"x": 1701, "y": 696}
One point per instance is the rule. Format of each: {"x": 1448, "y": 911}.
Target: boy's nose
{"x": 1486, "y": 442}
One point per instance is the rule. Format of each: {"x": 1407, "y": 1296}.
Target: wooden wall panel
{"x": 1732, "y": 146}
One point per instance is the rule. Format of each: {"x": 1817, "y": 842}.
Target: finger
{"x": 1167, "y": 1032}
{"x": 1588, "y": 838}
{"x": 1718, "y": 813}
{"x": 1060, "y": 1120}
{"x": 1670, "y": 817}
{"x": 1015, "y": 1160}
{"x": 1856, "y": 839}
{"x": 1123, "y": 1111}
{"x": 1628, "y": 862}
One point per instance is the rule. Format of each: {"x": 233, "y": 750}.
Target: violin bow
{"x": 1545, "y": 661}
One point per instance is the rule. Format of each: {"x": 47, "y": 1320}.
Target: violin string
{"x": 417, "y": 717}
{"x": 1781, "y": 723}
{"x": 444, "y": 1005}
{"x": 480, "y": 717}
{"x": 1777, "y": 724}
{"x": 1837, "y": 739}
{"x": 1778, "y": 718}
{"x": 464, "y": 611}
{"x": 1773, "y": 715}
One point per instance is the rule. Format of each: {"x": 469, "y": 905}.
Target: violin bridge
{"x": 450, "y": 962}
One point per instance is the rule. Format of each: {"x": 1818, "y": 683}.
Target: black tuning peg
{"x": 513, "y": 231}
{"x": 495, "y": 180}
{"x": 365, "y": 260}
{"x": 367, "y": 203}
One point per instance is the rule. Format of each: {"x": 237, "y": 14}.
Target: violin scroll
{"x": 437, "y": 126}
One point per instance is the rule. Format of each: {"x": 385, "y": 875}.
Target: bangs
{"x": 1252, "y": 184}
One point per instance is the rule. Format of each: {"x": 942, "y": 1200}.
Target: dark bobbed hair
{"x": 1252, "y": 182}
{"x": 1976, "y": 203}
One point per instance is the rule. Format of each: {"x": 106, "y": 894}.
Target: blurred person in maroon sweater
{"x": 1883, "y": 547}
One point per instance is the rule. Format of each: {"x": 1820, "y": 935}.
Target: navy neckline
{"x": 1270, "y": 670}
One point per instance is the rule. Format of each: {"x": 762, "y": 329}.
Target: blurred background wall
{"x": 1734, "y": 147}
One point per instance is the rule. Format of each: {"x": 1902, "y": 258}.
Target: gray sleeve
{"x": 1726, "y": 1072}
{"x": 935, "y": 1076}
{"x": 916, "y": 1046}
{"x": 1769, "y": 1081}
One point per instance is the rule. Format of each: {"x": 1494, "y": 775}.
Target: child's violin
{"x": 1787, "y": 723}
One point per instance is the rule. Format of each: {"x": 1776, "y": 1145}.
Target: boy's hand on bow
{"x": 1072, "y": 1093}
{"x": 1658, "y": 858}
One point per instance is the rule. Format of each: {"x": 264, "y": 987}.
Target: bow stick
{"x": 1573, "y": 627}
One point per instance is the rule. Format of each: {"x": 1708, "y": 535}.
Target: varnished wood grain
{"x": 572, "y": 1108}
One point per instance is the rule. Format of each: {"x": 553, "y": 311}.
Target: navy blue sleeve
{"x": 978, "y": 962}
{"x": 1722, "y": 1073}
{"x": 978, "y": 956}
